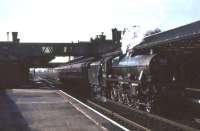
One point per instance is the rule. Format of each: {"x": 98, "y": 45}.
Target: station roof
{"x": 183, "y": 38}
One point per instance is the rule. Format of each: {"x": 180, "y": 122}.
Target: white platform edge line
{"x": 84, "y": 113}
{"x": 105, "y": 117}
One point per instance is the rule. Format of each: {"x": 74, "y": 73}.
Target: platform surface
{"x": 41, "y": 110}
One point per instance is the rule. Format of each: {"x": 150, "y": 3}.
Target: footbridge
{"x": 39, "y": 54}
{"x": 16, "y": 58}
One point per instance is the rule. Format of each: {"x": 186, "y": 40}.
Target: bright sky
{"x": 72, "y": 20}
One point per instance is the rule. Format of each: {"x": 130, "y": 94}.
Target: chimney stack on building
{"x": 14, "y": 37}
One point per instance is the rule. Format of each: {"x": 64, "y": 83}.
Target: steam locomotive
{"x": 153, "y": 75}
{"x": 140, "y": 81}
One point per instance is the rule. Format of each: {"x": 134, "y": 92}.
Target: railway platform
{"x": 49, "y": 110}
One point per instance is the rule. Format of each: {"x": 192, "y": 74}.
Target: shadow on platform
{"x": 11, "y": 118}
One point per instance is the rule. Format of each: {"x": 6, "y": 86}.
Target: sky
{"x": 73, "y": 20}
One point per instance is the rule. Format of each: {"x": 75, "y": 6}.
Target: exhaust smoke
{"x": 131, "y": 37}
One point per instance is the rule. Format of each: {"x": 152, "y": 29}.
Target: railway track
{"x": 136, "y": 119}
{"x": 149, "y": 121}
{"x": 116, "y": 116}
